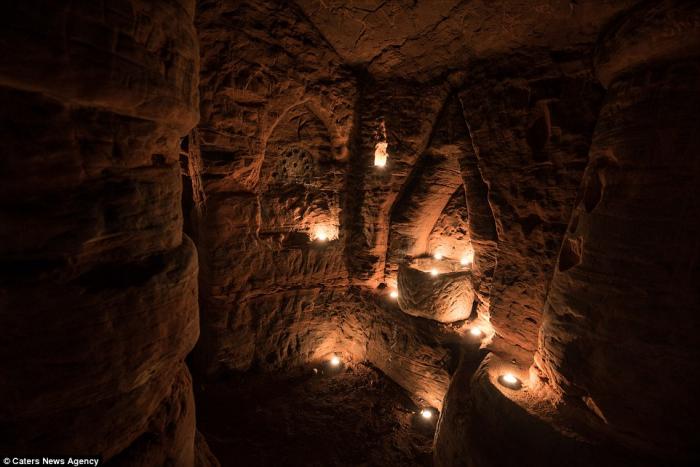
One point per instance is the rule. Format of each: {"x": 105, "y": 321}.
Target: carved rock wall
{"x": 616, "y": 357}
{"x": 531, "y": 116}
{"x": 422, "y": 40}
{"x": 276, "y": 119}
{"x": 621, "y": 319}
{"x": 98, "y": 293}
{"x": 280, "y": 170}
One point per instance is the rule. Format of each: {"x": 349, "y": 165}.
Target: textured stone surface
{"x": 304, "y": 247}
{"x": 277, "y": 170}
{"x": 307, "y": 417}
{"x": 373, "y": 192}
{"x": 616, "y": 361}
{"x": 418, "y": 354}
{"x": 626, "y": 285}
{"x": 485, "y": 163}
{"x": 486, "y": 424}
{"x": 651, "y": 32}
{"x": 98, "y": 292}
{"x": 276, "y": 116}
{"x": 423, "y": 39}
{"x": 434, "y": 180}
{"x": 446, "y": 298}
{"x": 530, "y": 116}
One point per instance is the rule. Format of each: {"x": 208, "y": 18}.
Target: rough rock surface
{"x": 621, "y": 318}
{"x": 446, "y": 298}
{"x": 98, "y": 292}
{"x": 373, "y": 192}
{"x": 485, "y": 423}
{"x": 278, "y": 173}
{"x": 483, "y": 166}
{"x": 531, "y": 116}
{"x": 450, "y": 235}
{"x": 305, "y": 243}
{"x": 617, "y": 358}
{"x": 276, "y": 115}
{"x": 422, "y": 39}
{"x": 331, "y": 417}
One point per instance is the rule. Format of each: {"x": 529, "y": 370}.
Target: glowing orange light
{"x": 335, "y": 360}
{"x": 380, "y": 154}
{"x": 394, "y": 294}
{"x": 433, "y": 272}
{"x": 467, "y": 258}
{"x": 510, "y": 381}
{"x": 438, "y": 256}
{"x": 324, "y": 232}
{"x": 475, "y": 331}
{"x": 426, "y": 414}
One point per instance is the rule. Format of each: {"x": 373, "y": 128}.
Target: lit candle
{"x": 510, "y": 381}
{"x": 467, "y": 258}
{"x": 380, "y": 154}
{"x": 324, "y": 232}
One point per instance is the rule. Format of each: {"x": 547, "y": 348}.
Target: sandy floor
{"x": 356, "y": 416}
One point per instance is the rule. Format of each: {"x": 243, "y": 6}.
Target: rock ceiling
{"x": 422, "y": 39}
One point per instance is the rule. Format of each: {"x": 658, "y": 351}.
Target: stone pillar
{"x": 98, "y": 289}
{"x": 622, "y": 318}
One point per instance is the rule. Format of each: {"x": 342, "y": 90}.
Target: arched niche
{"x": 300, "y": 180}
{"x": 297, "y": 152}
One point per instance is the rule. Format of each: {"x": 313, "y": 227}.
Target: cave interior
{"x": 350, "y": 233}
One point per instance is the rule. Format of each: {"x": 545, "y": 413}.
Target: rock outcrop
{"x": 98, "y": 295}
{"x": 621, "y": 319}
{"x": 616, "y": 358}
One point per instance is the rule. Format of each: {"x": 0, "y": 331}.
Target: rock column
{"x": 98, "y": 289}
{"x": 621, "y": 323}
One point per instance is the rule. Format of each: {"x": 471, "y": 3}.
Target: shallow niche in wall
{"x": 301, "y": 181}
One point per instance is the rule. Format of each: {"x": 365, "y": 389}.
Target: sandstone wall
{"x": 615, "y": 364}
{"x": 531, "y": 116}
{"x": 485, "y": 163}
{"x": 621, "y": 319}
{"x": 276, "y": 120}
{"x": 98, "y": 293}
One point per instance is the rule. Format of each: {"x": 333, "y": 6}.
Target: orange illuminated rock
{"x": 445, "y": 297}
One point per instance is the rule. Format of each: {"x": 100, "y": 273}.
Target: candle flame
{"x": 380, "y": 154}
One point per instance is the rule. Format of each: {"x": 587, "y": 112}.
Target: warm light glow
{"x": 510, "y": 381}
{"x": 467, "y": 258}
{"x": 394, "y": 294}
{"x": 324, "y": 232}
{"x": 433, "y": 272}
{"x": 509, "y": 378}
{"x": 437, "y": 256}
{"x": 380, "y": 154}
{"x": 335, "y": 360}
{"x": 475, "y": 331}
{"x": 426, "y": 413}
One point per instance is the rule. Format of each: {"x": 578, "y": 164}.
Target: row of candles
{"x": 427, "y": 413}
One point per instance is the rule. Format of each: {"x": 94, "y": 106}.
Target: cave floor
{"x": 353, "y": 416}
